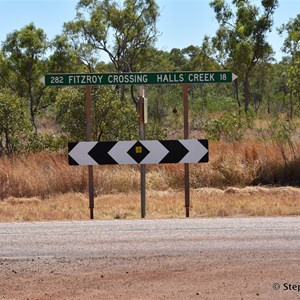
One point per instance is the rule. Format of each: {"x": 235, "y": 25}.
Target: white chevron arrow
{"x": 42, "y": 80}
{"x": 80, "y": 153}
{"x": 157, "y": 152}
{"x": 234, "y": 77}
{"x": 119, "y": 153}
{"x": 196, "y": 151}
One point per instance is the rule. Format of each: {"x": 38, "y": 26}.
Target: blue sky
{"x": 182, "y": 22}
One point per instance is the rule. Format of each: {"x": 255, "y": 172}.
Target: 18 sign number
{"x": 223, "y": 77}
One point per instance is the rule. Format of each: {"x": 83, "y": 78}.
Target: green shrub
{"x": 113, "y": 119}
{"x": 41, "y": 142}
{"x": 229, "y": 127}
{"x": 14, "y": 122}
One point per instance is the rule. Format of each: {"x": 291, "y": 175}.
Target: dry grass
{"x": 234, "y": 164}
{"x": 205, "y": 202}
{"x": 43, "y": 187}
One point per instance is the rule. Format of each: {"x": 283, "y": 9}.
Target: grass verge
{"x": 230, "y": 164}
{"x": 43, "y": 186}
{"x": 205, "y": 202}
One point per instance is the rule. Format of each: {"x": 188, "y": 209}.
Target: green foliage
{"x": 70, "y": 112}
{"x": 155, "y": 130}
{"x": 63, "y": 59}
{"x": 112, "y": 119}
{"x": 281, "y": 131}
{"x": 291, "y": 42}
{"x": 16, "y": 133}
{"x": 229, "y": 127}
{"x": 217, "y": 104}
{"x": 241, "y": 39}
{"x": 14, "y": 123}
{"x": 124, "y": 31}
{"x": 43, "y": 142}
{"x": 25, "y": 62}
{"x": 291, "y": 46}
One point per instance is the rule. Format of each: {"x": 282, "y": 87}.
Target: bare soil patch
{"x": 226, "y": 275}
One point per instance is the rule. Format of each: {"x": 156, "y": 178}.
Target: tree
{"x": 112, "y": 119}
{"x": 124, "y": 32}
{"x": 63, "y": 58}
{"x": 14, "y": 125}
{"x": 200, "y": 58}
{"x": 291, "y": 46}
{"x": 261, "y": 84}
{"x": 23, "y": 63}
{"x": 241, "y": 38}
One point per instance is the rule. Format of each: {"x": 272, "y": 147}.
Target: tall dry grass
{"x": 43, "y": 186}
{"x": 237, "y": 164}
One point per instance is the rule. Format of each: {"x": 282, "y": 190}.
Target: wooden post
{"x": 89, "y": 136}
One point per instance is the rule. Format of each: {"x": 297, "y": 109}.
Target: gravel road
{"x": 230, "y": 258}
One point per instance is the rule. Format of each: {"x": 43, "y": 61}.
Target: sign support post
{"x": 186, "y": 136}
{"x": 142, "y": 137}
{"x": 89, "y": 136}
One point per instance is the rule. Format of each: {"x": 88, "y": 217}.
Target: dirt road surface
{"x": 230, "y": 258}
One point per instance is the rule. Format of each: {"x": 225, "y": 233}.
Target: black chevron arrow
{"x": 100, "y": 153}
{"x": 72, "y": 162}
{"x": 176, "y": 152}
{"x": 205, "y": 158}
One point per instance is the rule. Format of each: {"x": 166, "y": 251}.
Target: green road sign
{"x": 138, "y": 78}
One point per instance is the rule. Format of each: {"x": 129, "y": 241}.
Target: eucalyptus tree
{"x": 123, "y": 31}
{"x": 26, "y": 56}
{"x": 23, "y": 63}
{"x": 63, "y": 58}
{"x": 291, "y": 46}
{"x": 14, "y": 125}
{"x": 112, "y": 119}
{"x": 241, "y": 40}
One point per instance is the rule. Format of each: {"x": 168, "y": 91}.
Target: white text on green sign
{"x": 138, "y": 78}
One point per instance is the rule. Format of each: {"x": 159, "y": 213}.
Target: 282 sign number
{"x": 57, "y": 80}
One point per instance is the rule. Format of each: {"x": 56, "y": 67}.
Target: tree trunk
{"x": 236, "y": 92}
{"x": 291, "y": 105}
{"x": 8, "y": 145}
{"x": 268, "y": 105}
{"x": 247, "y": 92}
{"x": 32, "y": 117}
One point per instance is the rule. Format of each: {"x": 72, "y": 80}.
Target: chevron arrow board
{"x": 138, "y": 152}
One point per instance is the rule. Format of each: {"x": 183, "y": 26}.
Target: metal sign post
{"x": 186, "y": 136}
{"x": 89, "y": 136}
{"x": 142, "y": 137}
